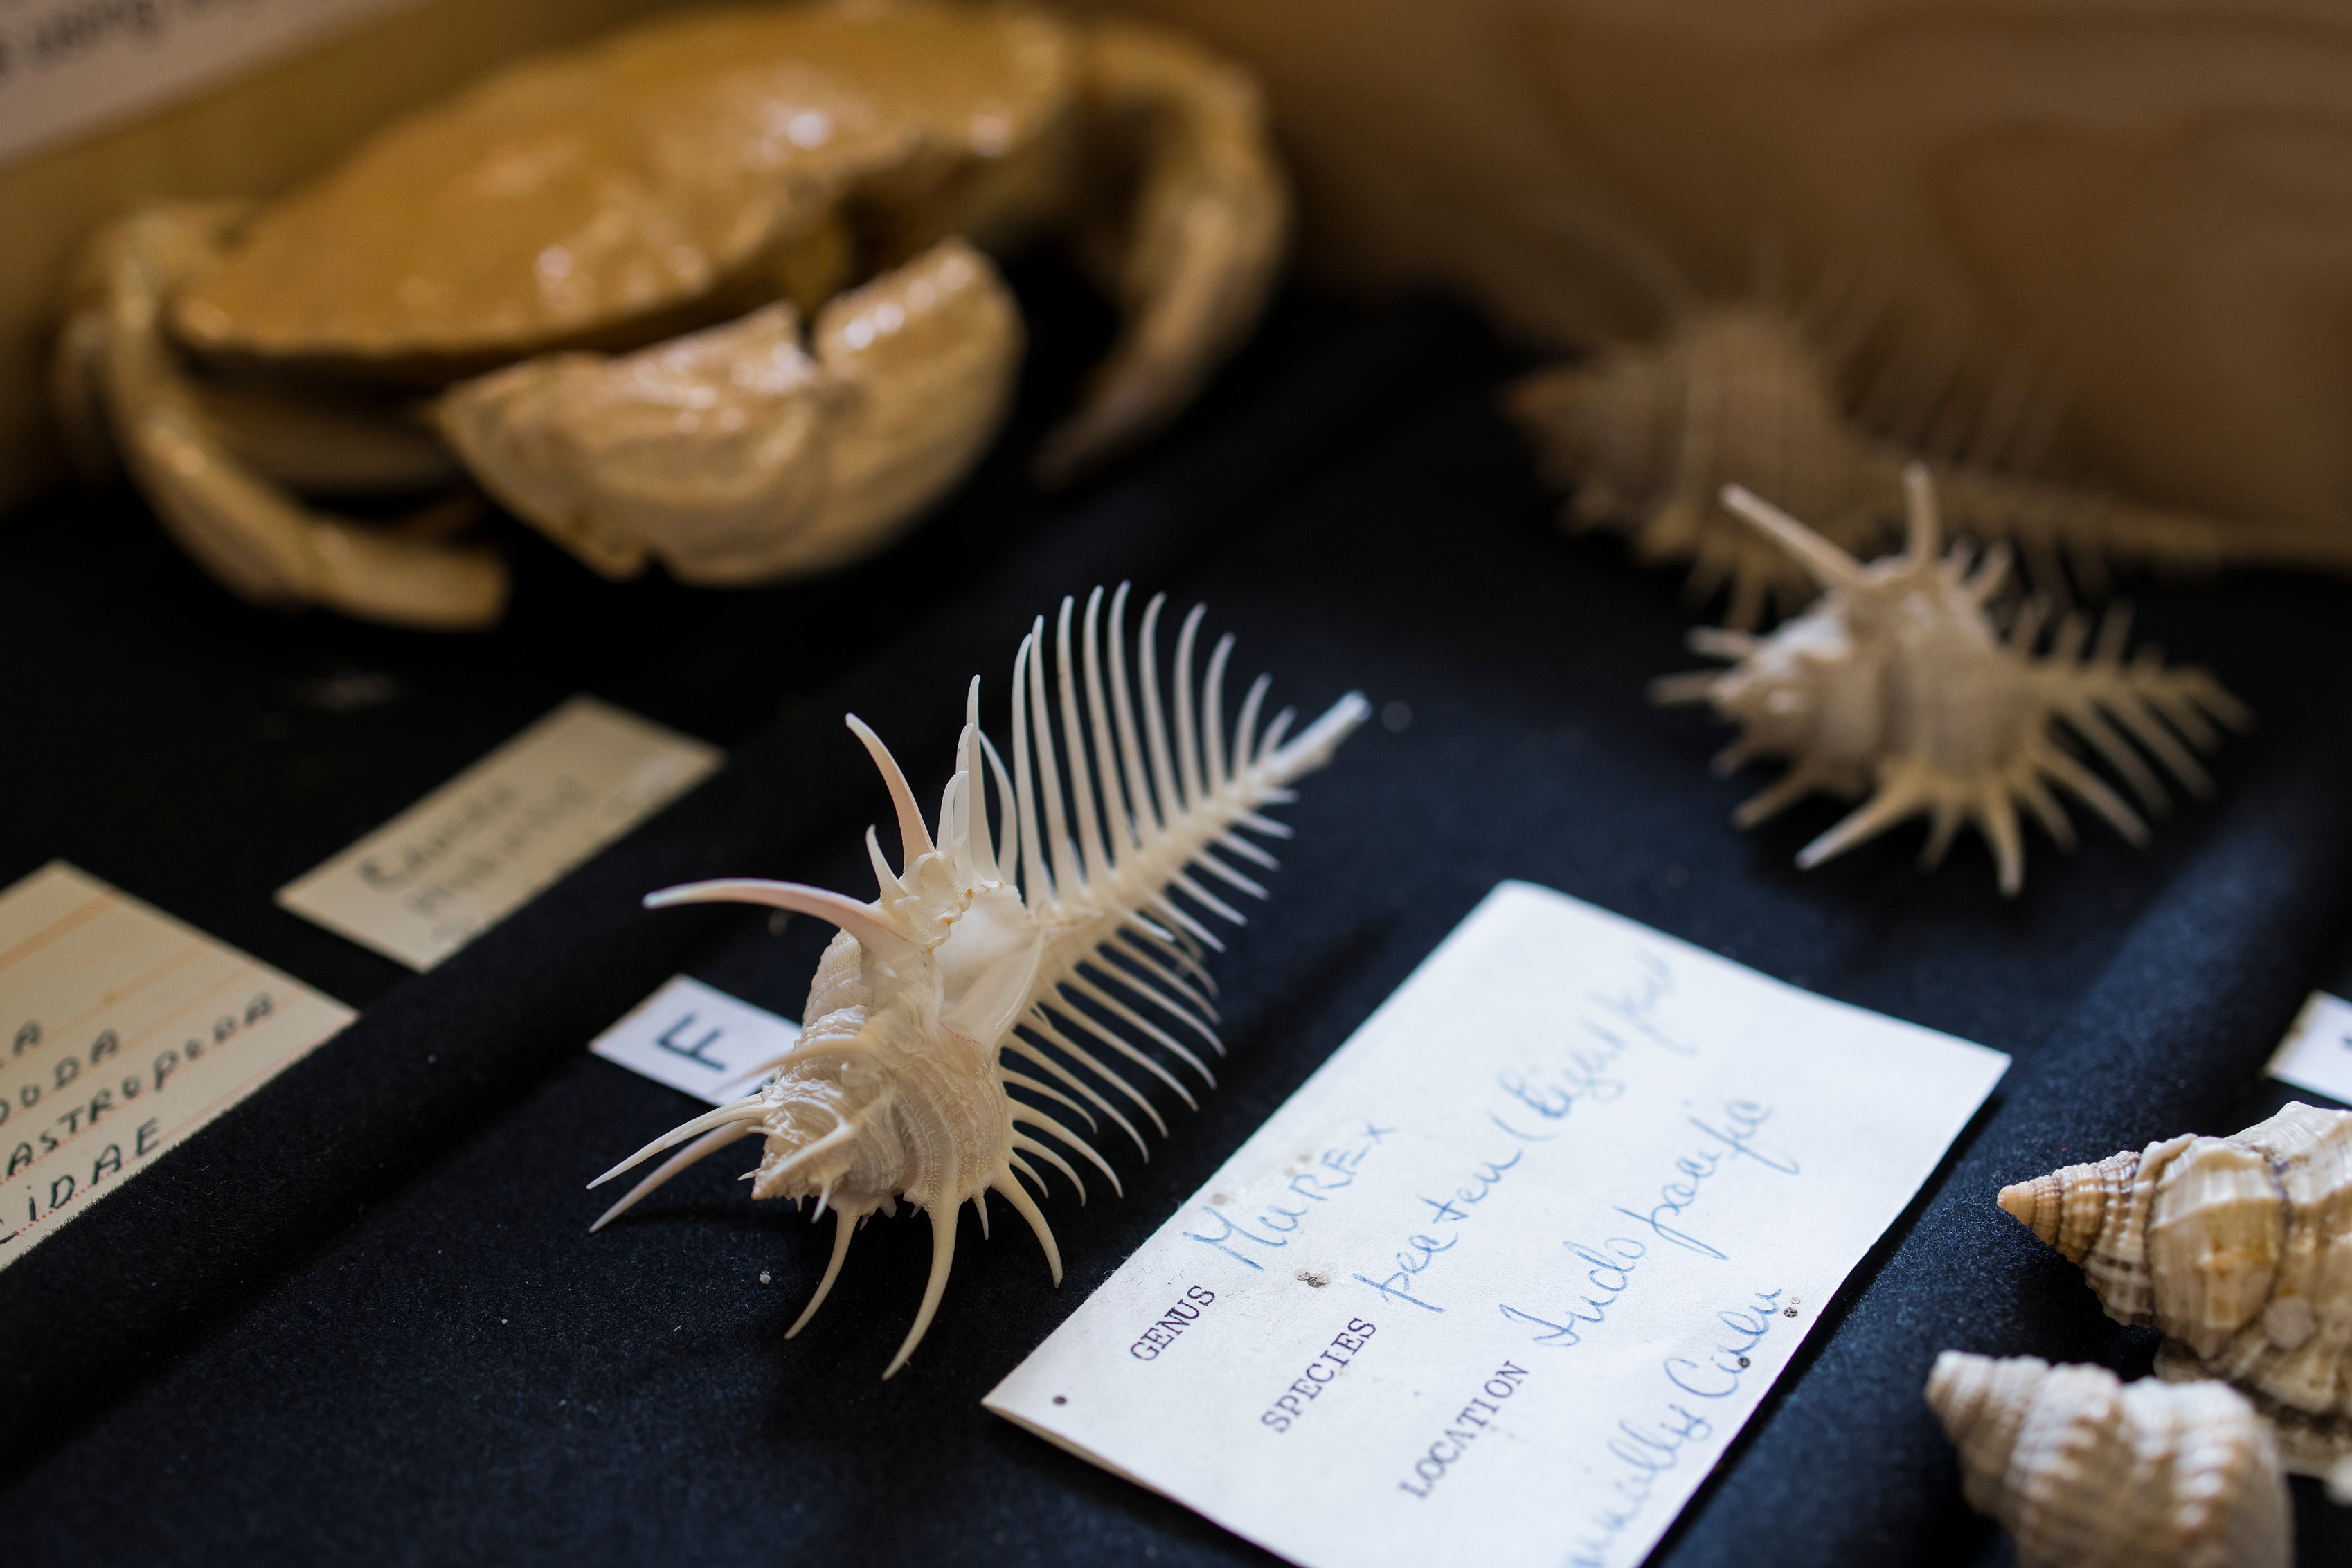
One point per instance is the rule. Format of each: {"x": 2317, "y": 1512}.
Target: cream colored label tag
{"x": 2317, "y": 1054}
{"x": 126, "y": 1032}
{"x": 1503, "y": 1280}
{"x": 68, "y": 67}
{"x": 475, "y": 849}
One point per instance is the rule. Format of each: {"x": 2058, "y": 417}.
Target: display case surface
{"x": 360, "y": 1318}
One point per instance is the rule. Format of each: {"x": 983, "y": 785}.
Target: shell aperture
{"x": 1016, "y": 939}
{"x": 1898, "y": 685}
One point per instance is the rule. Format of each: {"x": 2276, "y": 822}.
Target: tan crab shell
{"x": 1897, "y": 683}
{"x": 2087, "y": 1471}
{"x": 2240, "y": 1249}
{"x": 899, "y": 1086}
{"x": 1646, "y": 434}
{"x": 721, "y": 173}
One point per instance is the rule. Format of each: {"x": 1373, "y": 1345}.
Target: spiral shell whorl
{"x": 2090, "y": 1472}
{"x": 2240, "y": 1250}
{"x": 2096, "y": 1215}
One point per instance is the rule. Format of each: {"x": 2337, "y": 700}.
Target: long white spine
{"x": 1151, "y": 805}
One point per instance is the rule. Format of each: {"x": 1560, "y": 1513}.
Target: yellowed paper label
{"x": 126, "y": 1031}
{"x": 1501, "y": 1283}
{"x": 478, "y": 847}
{"x": 68, "y": 67}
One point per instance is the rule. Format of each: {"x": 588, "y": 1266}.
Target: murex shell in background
{"x": 2088, "y": 1471}
{"x": 1898, "y": 685}
{"x": 1645, "y": 434}
{"x": 2240, "y": 1249}
{"x": 2150, "y": 201}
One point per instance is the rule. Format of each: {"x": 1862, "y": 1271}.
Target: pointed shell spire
{"x": 2240, "y": 1250}
{"x": 2087, "y": 1471}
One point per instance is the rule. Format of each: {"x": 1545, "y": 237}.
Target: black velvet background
{"x": 359, "y": 1318}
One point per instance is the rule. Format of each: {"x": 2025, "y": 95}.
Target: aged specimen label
{"x": 125, "y": 1032}
{"x": 697, "y": 1039}
{"x": 2317, "y": 1054}
{"x": 68, "y": 67}
{"x": 475, "y": 849}
{"x": 1503, "y": 1280}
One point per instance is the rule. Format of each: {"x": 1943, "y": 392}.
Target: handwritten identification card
{"x": 475, "y": 849}
{"x": 2317, "y": 1054}
{"x": 1503, "y": 1280}
{"x": 697, "y": 1039}
{"x": 126, "y": 1031}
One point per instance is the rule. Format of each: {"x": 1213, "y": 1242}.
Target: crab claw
{"x": 118, "y": 374}
{"x": 1198, "y": 248}
{"x": 733, "y": 455}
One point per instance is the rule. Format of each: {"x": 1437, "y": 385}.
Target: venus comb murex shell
{"x": 2087, "y": 1471}
{"x": 2240, "y": 1249}
{"x": 899, "y": 1087}
{"x": 1898, "y": 685}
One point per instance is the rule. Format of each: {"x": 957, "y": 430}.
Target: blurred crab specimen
{"x": 599, "y": 264}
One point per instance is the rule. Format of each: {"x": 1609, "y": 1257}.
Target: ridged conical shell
{"x": 2240, "y": 1249}
{"x": 2088, "y": 1471}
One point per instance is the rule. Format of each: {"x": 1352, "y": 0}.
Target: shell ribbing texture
{"x": 1068, "y": 928}
{"x": 2240, "y": 1250}
{"x": 1646, "y": 435}
{"x": 2087, "y": 1472}
{"x": 1899, "y": 686}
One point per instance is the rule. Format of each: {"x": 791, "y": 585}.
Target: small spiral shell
{"x": 2240, "y": 1250}
{"x": 2087, "y": 1471}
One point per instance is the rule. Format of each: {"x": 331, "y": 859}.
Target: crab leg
{"x": 252, "y": 536}
{"x": 1201, "y": 243}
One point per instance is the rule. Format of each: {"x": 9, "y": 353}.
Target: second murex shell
{"x": 1898, "y": 685}
{"x": 2088, "y": 1471}
{"x": 2240, "y": 1249}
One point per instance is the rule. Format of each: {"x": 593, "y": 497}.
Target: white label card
{"x": 2317, "y": 1054}
{"x": 72, "y": 65}
{"x": 697, "y": 1039}
{"x": 1503, "y": 1280}
{"x": 478, "y": 849}
{"x": 126, "y": 1031}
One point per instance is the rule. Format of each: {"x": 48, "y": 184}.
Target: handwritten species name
{"x": 1173, "y": 1322}
{"x": 1647, "y": 1446}
{"x": 1475, "y": 1418}
{"x": 1325, "y": 1368}
{"x": 1528, "y": 1112}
